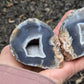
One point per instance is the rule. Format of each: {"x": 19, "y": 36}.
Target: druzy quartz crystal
{"x": 33, "y": 43}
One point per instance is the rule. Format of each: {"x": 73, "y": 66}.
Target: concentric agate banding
{"x": 33, "y": 43}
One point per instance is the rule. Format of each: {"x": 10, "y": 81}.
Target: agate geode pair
{"x": 34, "y": 43}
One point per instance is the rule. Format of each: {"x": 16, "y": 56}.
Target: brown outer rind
{"x": 59, "y": 58}
{"x": 13, "y": 35}
{"x": 66, "y": 45}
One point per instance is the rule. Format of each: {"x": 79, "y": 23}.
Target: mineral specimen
{"x": 33, "y": 43}
{"x": 71, "y": 35}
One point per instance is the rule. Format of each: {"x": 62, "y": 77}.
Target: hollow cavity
{"x": 34, "y": 47}
{"x": 81, "y": 32}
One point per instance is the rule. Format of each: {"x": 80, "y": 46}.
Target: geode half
{"x": 71, "y": 35}
{"x": 33, "y": 43}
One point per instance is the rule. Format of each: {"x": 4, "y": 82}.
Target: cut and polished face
{"x": 31, "y": 44}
